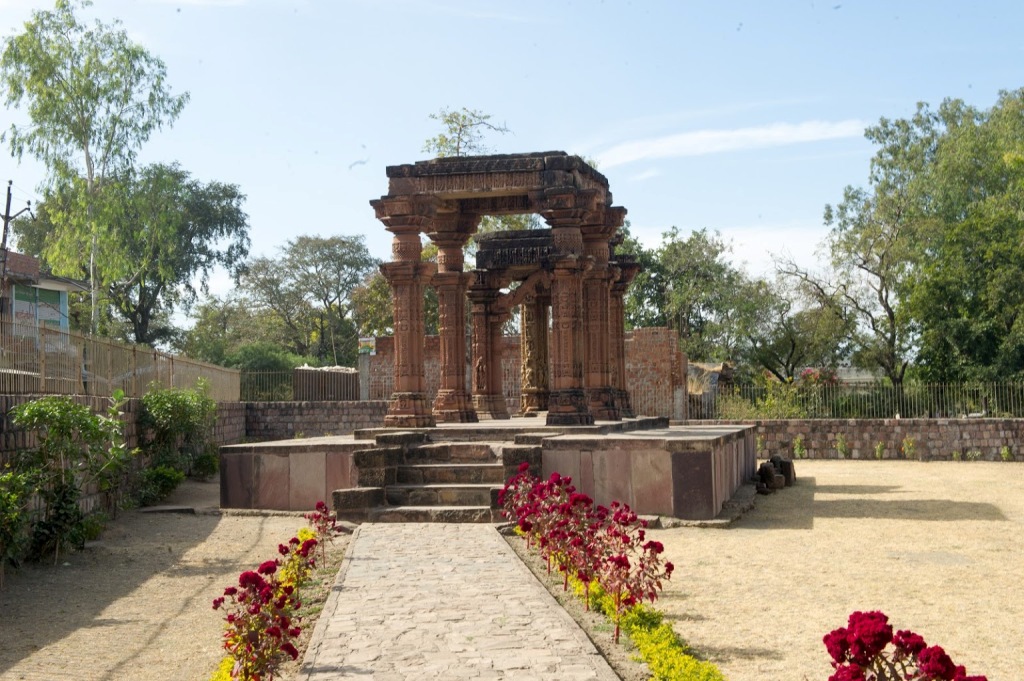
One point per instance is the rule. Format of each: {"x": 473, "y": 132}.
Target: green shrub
{"x": 178, "y": 427}
{"x": 1005, "y": 454}
{"x": 879, "y": 450}
{"x": 973, "y": 455}
{"x": 799, "y": 449}
{"x": 842, "y": 447}
{"x": 76, "y": 448}
{"x": 909, "y": 448}
{"x": 158, "y": 482}
{"x": 15, "y": 494}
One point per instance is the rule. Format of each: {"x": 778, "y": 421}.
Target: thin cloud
{"x": 703, "y": 142}
{"x": 646, "y": 175}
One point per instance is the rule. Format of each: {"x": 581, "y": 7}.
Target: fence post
{"x": 42, "y": 360}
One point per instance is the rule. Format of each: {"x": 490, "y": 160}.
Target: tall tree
{"x": 167, "y": 233}
{"x": 309, "y": 290}
{"x": 967, "y": 294}
{"x": 93, "y": 97}
{"x": 874, "y": 245}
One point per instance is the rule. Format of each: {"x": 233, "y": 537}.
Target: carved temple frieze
{"x": 563, "y": 281}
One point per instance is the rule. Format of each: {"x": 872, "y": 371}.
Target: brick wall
{"x": 934, "y": 439}
{"x": 656, "y": 373}
{"x": 286, "y": 420}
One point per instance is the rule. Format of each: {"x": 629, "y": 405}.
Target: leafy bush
{"x": 76, "y": 448}
{"x": 799, "y": 448}
{"x": 1005, "y": 454}
{"x": 879, "y": 450}
{"x": 842, "y": 447}
{"x": 158, "y": 482}
{"x": 15, "y": 493}
{"x": 178, "y": 429}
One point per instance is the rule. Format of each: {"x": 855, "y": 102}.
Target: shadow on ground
{"x": 45, "y": 603}
{"x": 798, "y": 506}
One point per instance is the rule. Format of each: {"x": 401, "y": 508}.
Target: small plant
{"x": 799, "y": 449}
{"x": 973, "y": 455}
{"x": 15, "y": 494}
{"x": 759, "y": 445}
{"x": 1005, "y": 454}
{"x": 842, "y": 447}
{"x": 322, "y": 521}
{"x": 879, "y": 450}
{"x": 909, "y": 448}
{"x": 262, "y": 612}
{"x": 75, "y": 448}
{"x": 956, "y": 456}
{"x": 177, "y": 429}
{"x": 158, "y": 482}
{"x": 860, "y": 651}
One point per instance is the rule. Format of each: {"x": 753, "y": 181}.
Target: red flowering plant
{"x": 323, "y": 522}
{"x": 860, "y": 652}
{"x": 261, "y": 620}
{"x": 517, "y": 502}
{"x": 630, "y": 569}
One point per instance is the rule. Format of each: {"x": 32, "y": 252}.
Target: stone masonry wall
{"x": 934, "y": 439}
{"x": 286, "y": 420}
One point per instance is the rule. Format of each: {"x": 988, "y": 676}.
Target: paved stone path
{"x": 444, "y": 601}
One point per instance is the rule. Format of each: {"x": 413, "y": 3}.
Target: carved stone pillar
{"x": 488, "y": 395}
{"x": 626, "y": 269}
{"x": 565, "y": 211}
{"x": 407, "y": 274}
{"x": 533, "y": 345}
{"x": 596, "y": 330}
{"x": 453, "y": 403}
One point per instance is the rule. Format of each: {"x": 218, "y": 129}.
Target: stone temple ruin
{"x": 445, "y": 459}
{"x": 567, "y": 269}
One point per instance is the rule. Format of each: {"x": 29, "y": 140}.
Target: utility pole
{"x": 8, "y": 219}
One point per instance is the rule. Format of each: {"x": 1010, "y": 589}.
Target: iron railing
{"x": 861, "y": 400}
{"x": 41, "y": 360}
{"x": 301, "y": 385}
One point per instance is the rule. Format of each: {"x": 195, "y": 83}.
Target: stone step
{"x": 432, "y": 514}
{"x": 449, "y": 473}
{"x": 454, "y": 452}
{"x": 439, "y": 495}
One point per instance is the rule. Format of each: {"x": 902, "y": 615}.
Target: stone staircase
{"x": 415, "y": 480}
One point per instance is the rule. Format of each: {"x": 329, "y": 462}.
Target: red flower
{"x": 217, "y": 602}
{"x": 230, "y": 591}
{"x": 267, "y": 567}
{"x": 654, "y": 547}
{"x": 837, "y": 645}
{"x": 250, "y": 579}
{"x": 869, "y": 633}
{"x": 291, "y": 650}
{"x": 524, "y": 466}
{"x": 274, "y": 631}
{"x": 294, "y": 631}
{"x": 847, "y": 673}
{"x": 934, "y": 662}
{"x": 908, "y": 643}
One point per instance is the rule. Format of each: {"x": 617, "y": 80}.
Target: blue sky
{"x": 742, "y": 117}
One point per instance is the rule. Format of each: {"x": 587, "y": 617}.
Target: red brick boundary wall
{"x": 655, "y": 371}
{"x": 934, "y": 439}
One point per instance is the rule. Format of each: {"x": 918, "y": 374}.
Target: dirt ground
{"x": 938, "y": 547}
{"x": 136, "y": 604}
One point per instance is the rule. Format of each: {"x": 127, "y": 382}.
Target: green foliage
{"x": 463, "y": 132}
{"x": 178, "y": 424}
{"x": 1005, "y": 454}
{"x": 955, "y": 456}
{"x": 15, "y": 494}
{"x": 776, "y": 401}
{"x": 879, "y": 450}
{"x": 76, "y": 448}
{"x": 307, "y": 295}
{"x": 909, "y": 448}
{"x": 759, "y": 446}
{"x": 799, "y": 448}
{"x": 156, "y": 483}
{"x": 842, "y": 447}
{"x": 973, "y": 455}
{"x": 117, "y": 93}
{"x": 668, "y": 657}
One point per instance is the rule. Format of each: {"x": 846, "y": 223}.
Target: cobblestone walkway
{"x": 444, "y": 601}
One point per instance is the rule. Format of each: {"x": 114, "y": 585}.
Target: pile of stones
{"x": 775, "y": 473}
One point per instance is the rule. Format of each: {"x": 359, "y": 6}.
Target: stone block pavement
{"x": 444, "y": 601}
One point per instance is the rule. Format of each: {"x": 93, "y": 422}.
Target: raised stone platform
{"x": 449, "y": 472}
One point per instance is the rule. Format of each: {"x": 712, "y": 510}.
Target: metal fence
{"x": 41, "y": 360}
{"x": 862, "y": 400}
{"x": 301, "y": 385}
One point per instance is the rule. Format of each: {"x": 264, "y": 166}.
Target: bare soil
{"x": 137, "y": 603}
{"x": 938, "y": 547}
